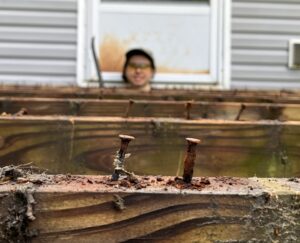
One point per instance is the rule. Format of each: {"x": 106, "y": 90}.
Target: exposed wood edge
{"x": 73, "y": 119}
{"x": 157, "y": 184}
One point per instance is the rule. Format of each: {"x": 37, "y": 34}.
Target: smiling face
{"x": 139, "y": 71}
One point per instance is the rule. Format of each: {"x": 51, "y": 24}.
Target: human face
{"x": 139, "y": 71}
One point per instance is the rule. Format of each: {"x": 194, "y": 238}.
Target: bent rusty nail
{"x": 242, "y": 108}
{"x": 120, "y": 157}
{"x": 188, "y": 107}
{"x": 189, "y": 160}
{"x": 130, "y": 104}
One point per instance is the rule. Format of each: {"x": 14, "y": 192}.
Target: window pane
{"x": 178, "y": 45}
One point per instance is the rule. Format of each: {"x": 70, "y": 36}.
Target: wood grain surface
{"x": 82, "y": 209}
{"x": 87, "y": 145}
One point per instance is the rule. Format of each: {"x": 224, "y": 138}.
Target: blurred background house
{"x": 196, "y": 44}
{"x": 265, "y": 44}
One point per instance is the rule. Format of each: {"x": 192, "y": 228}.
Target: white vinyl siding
{"x": 38, "y": 41}
{"x": 261, "y": 31}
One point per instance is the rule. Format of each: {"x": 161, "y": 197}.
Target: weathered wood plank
{"x": 146, "y": 108}
{"x": 113, "y": 93}
{"x": 87, "y": 209}
{"x": 87, "y": 145}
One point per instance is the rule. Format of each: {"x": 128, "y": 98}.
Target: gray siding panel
{"x": 38, "y": 35}
{"x": 36, "y": 18}
{"x": 265, "y": 26}
{"x": 258, "y": 57}
{"x": 264, "y": 10}
{"x": 45, "y": 51}
{"x": 267, "y": 73}
{"x": 261, "y": 31}
{"x": 46, "y": 5}
{"x": 261, "y": 41}
{"x": 38, "y": 41}
{"x": 34, "y": 67}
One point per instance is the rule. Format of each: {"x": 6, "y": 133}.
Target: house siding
{"x": 38, "y": 41}
{"x": 261, "y": 31}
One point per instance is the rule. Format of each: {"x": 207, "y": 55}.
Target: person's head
{"x": 139, "y": 68}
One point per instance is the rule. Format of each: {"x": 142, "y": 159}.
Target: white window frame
{"x": 219, "y": 54}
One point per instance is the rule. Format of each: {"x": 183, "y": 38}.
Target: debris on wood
{"x": 21, "y": 174}
{"x": 14, "y": 227}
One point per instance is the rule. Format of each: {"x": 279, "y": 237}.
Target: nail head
{"x": 126, "y": 137}
{"x": 193, "y": 140}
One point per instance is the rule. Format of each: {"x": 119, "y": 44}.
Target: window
{"x": 185, "y": 38}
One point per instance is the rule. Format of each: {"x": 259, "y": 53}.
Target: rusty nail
{"x": 125, "y": 140}
{"x": 119, "y": 160}
{"x": 189, "y": 160}
{"x": 188, "y": 107}
{"x": 130, "y": 104}
{"x": 242, "y": 108}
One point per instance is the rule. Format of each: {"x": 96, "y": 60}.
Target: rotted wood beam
{"x": 65, "y": 208}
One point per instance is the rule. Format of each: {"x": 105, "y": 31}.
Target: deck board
{"x": 87, "y": 145}
{"x": 83, "y": 209}
{"x": 257, "y": 96}
{"x": 151, "y": 108}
